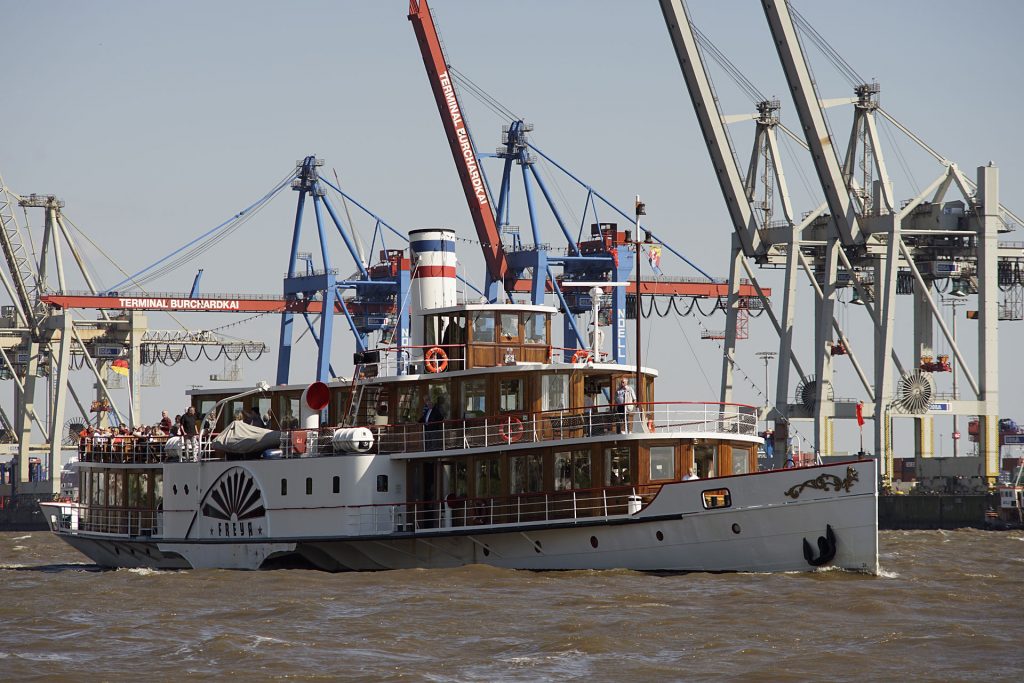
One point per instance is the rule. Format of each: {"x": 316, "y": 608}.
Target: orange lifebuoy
{"x": 581, "y": 356}
{"x": 435, "y": 359}
{"x": 512, "y": 430}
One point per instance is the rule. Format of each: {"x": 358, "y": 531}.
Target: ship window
{"x": 663, "y": 462}
{"x": 309, "y": 486}
{"x": 284, "y": 487}
{"x": 554, "y": 391}
{"x": 288, "y": 412}
{"x": 509, "y": 327}
{"x": 739, "y": 460}
{"x": 382, "y": 483}
{"x": 483, "y": 327}
{"x": 488, "y": 477}
{"x": 337, "y": 484}
{"x": 716, "y": 498}
{"x": 158, "y": 490}
{"x": 572, "y": 470}
{"x": 617, "y": 470}
{"x": 408, "y": 396}
{"x": 526, "y": 473}
{"x": 704, "y": 460}
{"x": 535, "y": 328}
{"x": 474, "y": 398}
{"x": 510, "y": 395}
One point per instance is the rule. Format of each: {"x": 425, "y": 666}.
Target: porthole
{"x": 735, "y": 528}
{"x": 487, "y": 551}
{"x": 536, "y": 546}
{"x": 660, "y": 536}
{"x": 593, "y": 541}
{"x": 186, "y": 489}
{"x": 174, "y": 489}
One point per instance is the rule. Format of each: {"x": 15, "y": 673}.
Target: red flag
{"x": 860, "y": 413}
{"x": 120, "y": 366}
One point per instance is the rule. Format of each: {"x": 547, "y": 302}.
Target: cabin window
{"x": 262, "y": 405}
{"x": 336, "y": 484}
{"x": 99, "y": 495}
{"x": 116, "y": 483}
{"x": 234, "y": 410}
{"x": 435, "y": 390}
{"x": 572, "y": 470}
{"x": 509, "y": 327}
{"x": 716, "y": 498}
{"x": 596, "y": 391}
{"x": 158, "y": 490}
{"x": 288, "y": 412}
{"x": 474, "y": 397}
{"x": 483, "y": 326}
{"x": 739, "y": 460}
{"x": 205, "y": 406}
{"x": 408, "y": 400}
{"x": 284, "y": 487}
{"x": 510, "y": 395}
{"x": 534, "y": 328}
{"x": 309, "y": 486}
{"x": 704, "y": 460}
{"x": 554, "y": 391}
{"x": 456, "y": 478}
{"x": 382, "y": 483}
{"x": 488, "y": 477}
{"x": 526, "y": 473}
{"x": 663, "y": 462}
{"x": 617, "y": 470}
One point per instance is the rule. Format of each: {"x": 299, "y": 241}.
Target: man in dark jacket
{"x": 188, "y": 424}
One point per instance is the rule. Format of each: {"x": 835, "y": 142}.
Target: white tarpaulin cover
{"x": 242, "y": 438}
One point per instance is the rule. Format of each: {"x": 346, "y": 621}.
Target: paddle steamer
{"x": 480, "y": 443}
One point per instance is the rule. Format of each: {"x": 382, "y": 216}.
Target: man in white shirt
{"x": 625, "y": 400}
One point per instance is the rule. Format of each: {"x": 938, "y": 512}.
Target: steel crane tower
{"x": 461, "y": 144}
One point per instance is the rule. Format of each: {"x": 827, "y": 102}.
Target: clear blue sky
{"x": 156, "y": 121}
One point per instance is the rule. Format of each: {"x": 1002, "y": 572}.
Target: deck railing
{"x": 557, "y": 425}
{"x": 516, "y": 509}
{"x": 508, "y": 429}
{"x": 108, "y": 520}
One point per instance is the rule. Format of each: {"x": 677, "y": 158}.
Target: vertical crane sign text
{"x": 463, "y": 136}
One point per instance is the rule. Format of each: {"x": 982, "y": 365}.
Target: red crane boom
{"x": 458, "y": 139}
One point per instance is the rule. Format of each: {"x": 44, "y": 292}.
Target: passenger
{"x": 189, "y": 427}
{"x": 433, "y": 419}
{"x": 625, "y": 404}
{"x": 255, "y": 420}
{"x": 165, "y": 421}
{"x": 690, "y": 476}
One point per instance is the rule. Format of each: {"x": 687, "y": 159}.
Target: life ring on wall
{"x": 512, "y": 430}
{"x": 581, "y": 356}
{"x": 435, "y": 359}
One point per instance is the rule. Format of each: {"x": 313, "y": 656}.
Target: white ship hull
{"x": 783, "y": 520}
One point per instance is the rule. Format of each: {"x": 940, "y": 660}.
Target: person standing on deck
{"x": 625, "y": 403}
{"x": 188, "y": 424}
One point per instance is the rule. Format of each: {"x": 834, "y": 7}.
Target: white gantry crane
{"x": 861, "y": 239}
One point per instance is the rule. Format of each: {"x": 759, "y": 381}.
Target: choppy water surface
{"x": 949, "y": 606}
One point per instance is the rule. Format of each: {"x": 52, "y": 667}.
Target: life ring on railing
{"x": 435, "y": 359}
{"x": 512, "y": 430}
{"x": 582, "y": 356}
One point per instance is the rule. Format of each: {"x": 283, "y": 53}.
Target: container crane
{"x": 461, "y": 143}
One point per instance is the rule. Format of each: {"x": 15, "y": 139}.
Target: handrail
{"x": 503, "y": 429}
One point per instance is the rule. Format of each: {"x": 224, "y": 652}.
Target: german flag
{"x": 120, "y": 366}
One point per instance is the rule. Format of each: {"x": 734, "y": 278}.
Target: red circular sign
{"x": 956, "y": 435}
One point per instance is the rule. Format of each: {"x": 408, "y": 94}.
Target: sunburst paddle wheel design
{"x": 235, "y": 496}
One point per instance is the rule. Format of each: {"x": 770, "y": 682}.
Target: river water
{"x": 948, "y": 606}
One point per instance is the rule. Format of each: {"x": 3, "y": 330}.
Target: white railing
{"x": 515, "y": 510}
{"x": 105, "y": 520}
